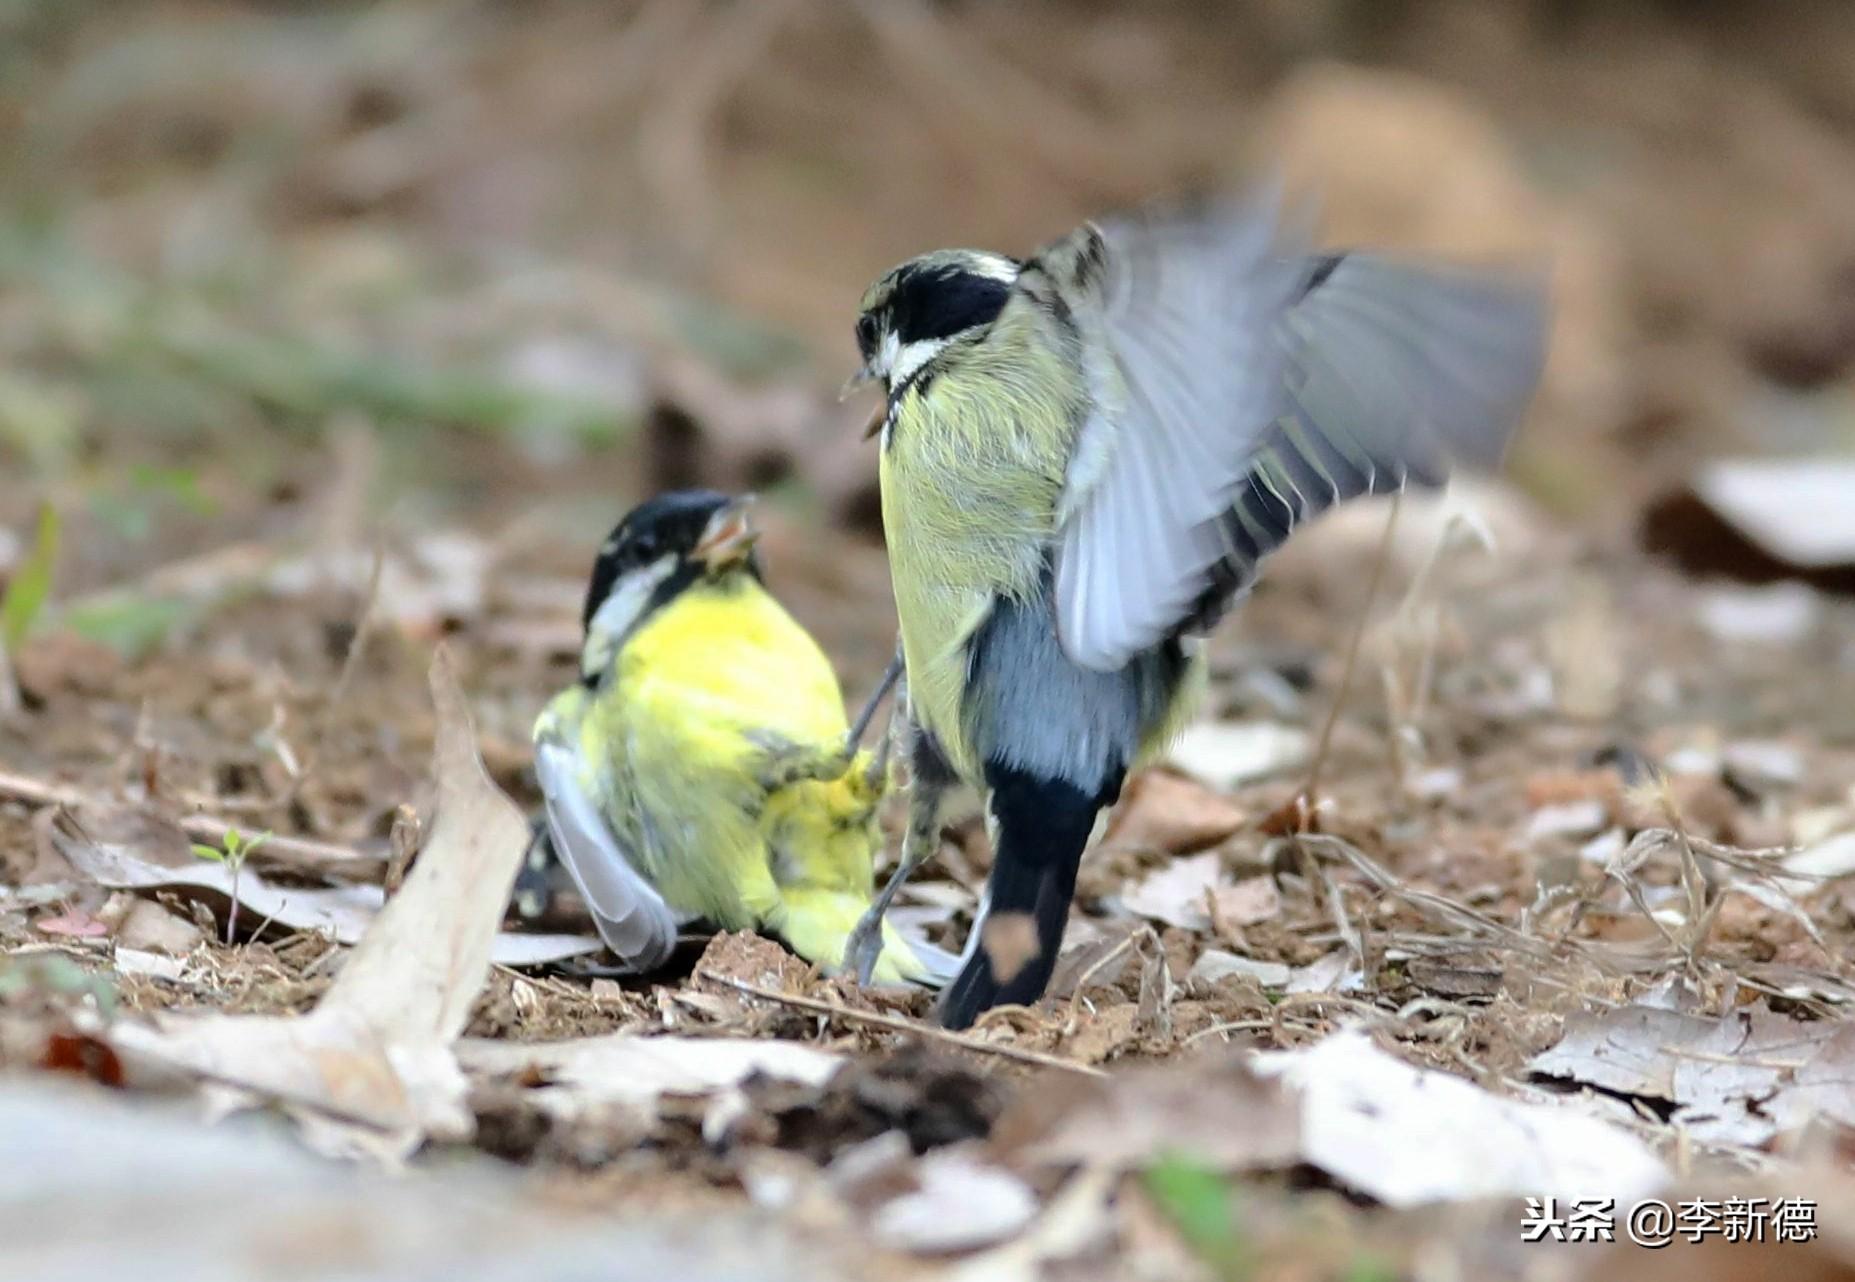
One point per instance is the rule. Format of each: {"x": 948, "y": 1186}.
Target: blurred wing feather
{"x": 1396, "y": 373}
{"x": 1183, "y": 310}
{"x": 1245, "y": 392}
{"x": 632, "y": 917}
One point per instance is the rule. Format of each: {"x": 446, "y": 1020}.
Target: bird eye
{"x": 866, "y": 333}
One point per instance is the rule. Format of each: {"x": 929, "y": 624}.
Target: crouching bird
{"x": 701, "y": 767}
{"x": 1085, "y": 457}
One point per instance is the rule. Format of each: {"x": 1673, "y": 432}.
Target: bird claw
{"x": 863, "y": 947}
{"x": 785, "y": 763}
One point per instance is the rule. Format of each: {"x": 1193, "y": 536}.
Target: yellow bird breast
{"x": 677, "y": 743}
{"x": 729, "y": 655}
{"x": 972, "y": 475}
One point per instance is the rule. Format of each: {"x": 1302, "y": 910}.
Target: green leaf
{"x": 1202, "y": 1207}
{"x": 181, "y": 484}
{"x": 31, "y": 583}
{"x": 127, "y": 622}
{"x": 1366, "y": 1268}
{"x": 54, "y": 974}
{"x": 202, "y": 851}
{"x": 39, "y": 420}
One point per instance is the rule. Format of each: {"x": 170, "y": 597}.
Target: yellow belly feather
{"x": 668, "y": 756}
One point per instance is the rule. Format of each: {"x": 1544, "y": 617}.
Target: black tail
{"x": 1042, "y": 826}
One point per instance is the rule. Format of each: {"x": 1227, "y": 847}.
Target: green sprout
{"x": 233, "y": 849}
{"x": 31, "y": 583}
{"x": 1366, "y": 1268}
{"x": 56, "y": 976}
{"x": 23, "y": 599}
{"x": 1201, "y": 1205}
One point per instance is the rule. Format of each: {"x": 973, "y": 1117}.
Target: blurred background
{"x": 284, "y": 284}
{"x": 329, "y": 330}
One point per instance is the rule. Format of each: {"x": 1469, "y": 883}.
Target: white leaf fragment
{"x": 1741, "y": 1079}
{"x": 1409, "y": 1136}
{"x": 589, "y": 1072}
{"x": 959, "y": 1203}
{"x": 1224, "y": 754}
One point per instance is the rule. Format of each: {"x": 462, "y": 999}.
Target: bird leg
{"x": 877, "y": 775}
{"x": 864, "y": 945}
{"x": 890, "y": 675}
{"x": 784, "y": 763}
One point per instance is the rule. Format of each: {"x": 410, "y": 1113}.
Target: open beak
{"x": 853, "y": 383}
{"x": 728, "y": 537}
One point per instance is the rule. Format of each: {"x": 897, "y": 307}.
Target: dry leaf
{"x": 75, "y": 924}
{"x": 1163, "y": 811}
{"x": 1567, "y": 819}
{"x": 1214, "y": 964}
{"x": 1214, "y": 1108}
{"x": 133, "y": 848}
{"x": 150, "y": 927}
{"x": 1093, "y": 953}
{"x": 1741, "y": 1079}
{"x": 130, "y": 848}
{"x": 371, "y": 1069}
{"x": 134, "y": 961}
{"x": 1765, "y": 761}
{"x": 1244, "y": 903}
{"x": 111, "y": 1187}
{"x": 1076, "y": 1220}
{"x": 1831, "y": 857}
{"x": 1780, "y": 614}
{"x": 1336, "y": 972}
{"x": 1178, "y": 893}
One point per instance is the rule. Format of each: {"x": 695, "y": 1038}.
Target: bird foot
{"x": 863, "y": 947}
{"x": 784, "y": 763}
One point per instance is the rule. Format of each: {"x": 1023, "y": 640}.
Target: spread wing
{"x": 632, "y": 917}
{"x": 1396, "y": 372}
{"x": 1248, "y": 391}
{"x": 1178, "y": 316}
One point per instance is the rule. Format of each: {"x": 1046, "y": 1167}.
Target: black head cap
{"x": 672, "y": 523}
{"x": 937, "y": 295}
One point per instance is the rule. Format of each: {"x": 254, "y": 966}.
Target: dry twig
{"x": 1311, "y": 790}
{"x": 897, "y": 1024}
{"x": 1436, "y": 907}
{"x": 292, "y": 852}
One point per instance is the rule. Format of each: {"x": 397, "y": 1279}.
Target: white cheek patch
{"x": 993, "y": 267}
{"x": 618, "y": 615}
{"x": 910, "y": 357}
